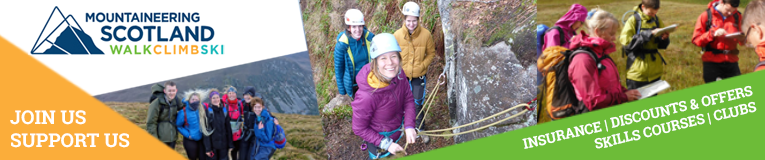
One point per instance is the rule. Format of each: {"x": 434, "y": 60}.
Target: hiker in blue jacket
{"x": 351, "y": 52}
{"x": 187, "y": 123}
{"x": 263, "y": 132}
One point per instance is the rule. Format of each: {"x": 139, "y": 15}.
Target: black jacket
{"x": 221, "y": 136}
{"x": 248, "y": 141}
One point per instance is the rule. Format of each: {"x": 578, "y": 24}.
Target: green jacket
{"x": 647, "y": 64}
{"x": 162, "y": 125}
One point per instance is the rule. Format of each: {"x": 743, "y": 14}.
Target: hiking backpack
{"x": 542, "y": 30}
{"x": 160, "y": 93}
{"x": 557, "y": 93}
{"x": 279, "y": 137}
{"x": 210, "y": 111}
{"x": 638, "y": 26}
{"x": 157, "y": 94}
{"x": 708, "y": 26}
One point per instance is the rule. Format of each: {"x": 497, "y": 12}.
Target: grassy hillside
{"x": 684, "y": 67}
{"x": 304, "y": 138}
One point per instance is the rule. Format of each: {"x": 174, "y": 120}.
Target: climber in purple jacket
{"x": 384, "y": 105}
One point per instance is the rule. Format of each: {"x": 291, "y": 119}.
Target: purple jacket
{"x": 577, "y": 13}
{"x": 381, "y": 109}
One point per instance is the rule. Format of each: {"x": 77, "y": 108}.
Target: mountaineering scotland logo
{"x": 67, "y": 37}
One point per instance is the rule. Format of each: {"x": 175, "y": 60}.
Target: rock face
{"x": 342, "y": 100}
{"x": 486, "y": 80}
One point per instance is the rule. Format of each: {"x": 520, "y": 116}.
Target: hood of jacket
{"x": 599, "y": 45}
{"x": 157, "y": 88}
{"x": 577, "y": 13}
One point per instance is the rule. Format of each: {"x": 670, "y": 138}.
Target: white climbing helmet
{"x": 354, "y": 17}
{"x": 411, "y": 9}
{"x": 384, "y": 43}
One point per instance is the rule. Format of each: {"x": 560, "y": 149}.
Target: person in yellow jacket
{"x": 640, "y": 43}
{"x": 417, "y": 51}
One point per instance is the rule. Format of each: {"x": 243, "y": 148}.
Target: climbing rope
{"x": 429, "y": 103}
{"x": 441, "y": 80}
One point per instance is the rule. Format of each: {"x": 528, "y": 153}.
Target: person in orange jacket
{"x": 417, "y": 51}
{"x": 753, "y": 25}
{"x": 713, "y": 33}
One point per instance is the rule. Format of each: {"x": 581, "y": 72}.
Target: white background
{"x": 251, "y": 31}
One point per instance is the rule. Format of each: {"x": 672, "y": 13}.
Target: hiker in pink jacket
{"x": 598, "y": 87}
{"x": 568, "y": 24}
{"x": 383, "y": 104}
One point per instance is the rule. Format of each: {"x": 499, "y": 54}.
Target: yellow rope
{"x": 484, "y": 119}
{"x": 429, "y": 133}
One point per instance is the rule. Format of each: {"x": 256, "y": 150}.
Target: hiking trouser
{"x": 235, "y": 151}
{"x": 637, "y": 84}
{"x": 171, "y": 145}
{"x": 194, "y": 149}
{"x": 372, "y": 149}
{"x": 245, "y": 148}
{"x": 219, "y": 154}
{"x": 723, "y": 70}
{"x": 264, "y": 153}
{"x": 417, "y": 85}
{"x": 355, "y": 88}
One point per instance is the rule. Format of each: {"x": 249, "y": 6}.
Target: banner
{"x": 719, "y": 120}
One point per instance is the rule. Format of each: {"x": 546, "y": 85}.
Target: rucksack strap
{"x": 762, "y": 63}
{"x": 638, "y": 22}
{"x": 594, "y": 57}
{"x": 561, "y": 35}
{"x": 344, "y": 39}
{"x": 209, "y": 110}
{"x": 709, "y": 19}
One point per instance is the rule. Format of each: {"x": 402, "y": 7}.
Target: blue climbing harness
{"x": 387, "y": 135}
{"x": 420, "y": 101}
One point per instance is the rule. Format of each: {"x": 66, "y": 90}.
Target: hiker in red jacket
{"x": 598, "y": 88}
{"x": 753, "y": 25}
{"x": 713, "y": 33}
{"x": 234, "y": 106}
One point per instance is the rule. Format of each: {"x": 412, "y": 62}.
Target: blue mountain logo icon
{"x": 63, "y": 35}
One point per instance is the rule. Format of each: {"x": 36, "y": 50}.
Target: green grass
{"x": 684, "y": 66}
{"x": 340, "y": 112}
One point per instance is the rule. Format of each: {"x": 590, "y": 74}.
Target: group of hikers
{"x": 223, "y": 128}
{"x": 385, "y": 75}
{"x": 575, "y": 83}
